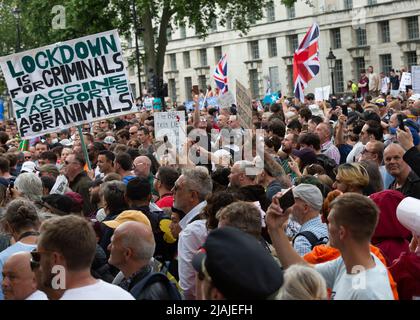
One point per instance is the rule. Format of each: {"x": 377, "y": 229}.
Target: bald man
{"x": 142, "y": 165}
{"x": 19, "y": 281}
{"x": 131, "y": 251}
{"x": 406, "y": 181}
{"x": 324, "y": 132}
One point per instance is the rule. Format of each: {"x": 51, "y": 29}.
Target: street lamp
{"x": 331, "y": 65}
{"x": 16, "y": 12}
{"x": 137, "y": 47}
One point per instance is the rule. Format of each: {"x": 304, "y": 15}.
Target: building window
{"x": 361, "y": 37}
{"x": 188, "y": 88}
{"x": 213, "y": 25}
{"x": 291, "y": 12}
{"x": 255, "y": 50}
{"x": 359, "y": 64}
{"x": 172, "y": 89}
{"x": 272, "y": 47}
{"x": 384, "y": 30}
{"x": 293, "y": 42}
{"x": 187, "y": 59}
{"x": 172, "y": 60}
{"x": 371, "y": 2}
{"x": 348, "y": 4}
{"x": 386, "y": 63}
{"x": 217, "y": 53}
{"x": 203, "y": 57}
{"x": 413, "y": 28}
{"x": 182, "y": 31}
{"x": 336, "y": 38}
{"x": 339, "y": 76}
{"x": 229, "y": 23}
{"x": 411, "y": 58}
{"x": 202, "y": 83}
{"x": 274, "y": 79}
{"x": 255, "y": 83}
{"x": 271, "y": 15}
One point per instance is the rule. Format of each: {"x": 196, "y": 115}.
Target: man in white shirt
{"x": 357, "y": 274}
{"x": 66, "y": 249}
{"x": 385, "y": 83}
{"x": 189, "y": 191}
{"x": 19, "y": 281}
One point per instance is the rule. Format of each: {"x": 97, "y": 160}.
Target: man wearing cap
{"x": 234, "y": 266}
{"x": 357, "y": 274}
{"x": 49, "y": 170}
{"x": 305, "y": 211}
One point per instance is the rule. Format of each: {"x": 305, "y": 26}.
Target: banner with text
{"x": 244, "y": 106}
{"x": 68, "y": 84}
{"x": 172, "y": 125}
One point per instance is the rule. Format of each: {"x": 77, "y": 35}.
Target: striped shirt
{"x": 317, "y": 227}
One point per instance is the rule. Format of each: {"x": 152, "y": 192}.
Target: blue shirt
{"x": 317, "y": 227}
{"x": 5, "y": 254}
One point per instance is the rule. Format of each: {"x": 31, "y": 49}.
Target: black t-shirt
{"x": 395, "y": 82}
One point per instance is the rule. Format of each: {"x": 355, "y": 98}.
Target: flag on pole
{"x": 306, "y": 61}
{"x": 220, "y": 75}
{"x": 24, "y": 145}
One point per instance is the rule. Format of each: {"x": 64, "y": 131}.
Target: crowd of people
{"x": 302, "y": 205}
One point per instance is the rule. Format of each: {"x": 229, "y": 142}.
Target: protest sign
{"x": 226, "y": 100}
{"x": 415, "y": 75}
{"x": 68, "y": 84}
{"x": 405, "y": 81}
{"x": 148, "y": 103}
{"x": 244, "y": 106}
{"x": 172, "y": 125}
{"x": 323, "y": 93}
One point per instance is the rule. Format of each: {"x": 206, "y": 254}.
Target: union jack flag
{"x": 306, "y": 61}
{"x": 220, "y": 75}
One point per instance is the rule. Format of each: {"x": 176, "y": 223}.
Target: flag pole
{"x": 84, "y": 148}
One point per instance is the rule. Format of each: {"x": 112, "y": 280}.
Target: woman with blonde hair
{"x": 302, "y": 283}
{"x": 351, "y": 177}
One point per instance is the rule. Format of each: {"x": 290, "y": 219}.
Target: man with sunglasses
{"x": 19, "y": 282}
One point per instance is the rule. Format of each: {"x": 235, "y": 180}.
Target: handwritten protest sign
{"x": 244, "y": 105}
{"x": 68, "y": 84}
{"x": 172, "y": 125}
{"x": 415, "y": 72}
{"x": 226, "y": 100}
{"x": 405, "y": 81}
{"x": 322, "y": 93}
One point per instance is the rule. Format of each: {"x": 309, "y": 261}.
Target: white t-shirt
{"x": 100, "y": 290}
{"x": 37, "y": 295}
{"x": 384, "y": 85}
{"x": 355, "y": 152}
{"x": 371, "y": 284}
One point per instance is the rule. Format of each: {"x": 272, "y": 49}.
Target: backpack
{"x": 312, "y": 238}
{"x": 327, "y": 163}
{"x": 153, "y": 277}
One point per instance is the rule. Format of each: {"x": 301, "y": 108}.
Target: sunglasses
{"x": 132, "y": 133}
{"x": 28, "y": 157}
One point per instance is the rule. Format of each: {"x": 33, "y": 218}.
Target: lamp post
{"x": 16, "y": 12}
{"x": 136, "y": 29}
{"x": 331, "y": 59}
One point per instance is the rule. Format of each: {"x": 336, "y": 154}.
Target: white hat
{"x": 28, "y": 166}
{"x": 109, "y": 140}
{"x": 316, "y": 111}
{"x": 415, "y": 97}
{"x": 309, "y": 194}
{"x": 66, "y": 142}
{"x": 408, "y": 214}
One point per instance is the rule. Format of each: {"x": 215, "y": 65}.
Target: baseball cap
{"x": 128, "y": 215}
{"x": 306, "y": 155}
{"x": 28, "y": 166}
{"x": 238, "y": 265}
{"x": 109, "y": 140}
{"x": 380, "y": 102}
{"x": 66, "y": 142}
{"x": 309, "y": 194}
